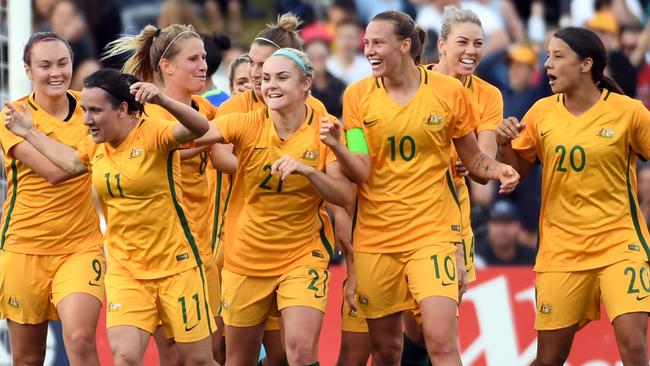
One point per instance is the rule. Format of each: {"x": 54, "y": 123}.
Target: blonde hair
{"x": 308, "y": 71}
{"x": 149, "y": 47}
{"x": 281, "y": 34}
{"x": 452, "y": 15}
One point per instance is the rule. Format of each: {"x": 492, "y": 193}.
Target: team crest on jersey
{"x": 433, "y": 120}
{"x": 606, "y": 133}
{"x": 114, "y": 307}
{"x": 13, "y": 302}
{"x": 310, "y": 155}
{"x": 135, "y": 152}
{"x": 545, "y": 309}
{"x": 363, "y": 299}
{"x": 224, "y": 304}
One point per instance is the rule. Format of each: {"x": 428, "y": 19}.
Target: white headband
{"x": 267, "y": 40}
{"x": 171, "y": 43}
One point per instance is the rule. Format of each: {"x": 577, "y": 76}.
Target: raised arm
{"x": 483, "y": 166}
{"x": 354, "y": 162}
{"x": 61, "y": 155}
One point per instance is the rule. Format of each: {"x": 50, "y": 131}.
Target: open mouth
{"x": 55, "y": 83}
{"x": 375, "y": 62}
{"x": 551, "y": 79}
{"x": 274, "y": 95}
{"x": 468, "y": 61}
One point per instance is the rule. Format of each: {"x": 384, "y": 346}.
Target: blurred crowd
{"x": 513, "y": 54}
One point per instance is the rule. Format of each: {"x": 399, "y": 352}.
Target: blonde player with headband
{"x": 51, "y": 257}
{"x": 175, "y": 58}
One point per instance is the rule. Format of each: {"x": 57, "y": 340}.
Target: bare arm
{"x": 223, "y": 158}
{"x": 32, "y": 158}
{"x": 343, "y": 234}
{"x": 61, "y": 155}
{"x": 483, "y": 190}
{"x": 483, "y": 166}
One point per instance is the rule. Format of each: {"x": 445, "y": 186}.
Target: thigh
{"x": 26, "y": 287}
{"x": 381, "y": 285}
{"x": 301, "y": 324}
{"x": 564, "y": 299}
{"x": 355, "y": 349}
{"x": 625, "y": 288}
{"x": 243, "y": 344}
{"x": 81, "y": 272}
{"x": 183, "y": 306}
{"x": 273, "y": 345}
{"x": 431, "y": 271}
{"x": 79, "y": 312}
{"x": 246, "y": 301}
{"x": 28, "y": 341}
{"x": 130, "y": 302}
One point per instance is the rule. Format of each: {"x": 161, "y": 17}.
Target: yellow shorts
{"x": 213, "y": 283}
{"x": 467, "y": 233}
{"x": 391, "y": 281}
{"x": 177, "y": 301}
{"x": 247, "y": 301}
{"x": 272, "y": 324}
{"x": 31, "y": 286}
{"x": 351, "y": 321}
{"x": 568, "y": 298}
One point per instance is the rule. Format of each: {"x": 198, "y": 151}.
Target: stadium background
{"x": 498, "y": 311}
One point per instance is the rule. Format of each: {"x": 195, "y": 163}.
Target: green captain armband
{"x": 356, "y": 141}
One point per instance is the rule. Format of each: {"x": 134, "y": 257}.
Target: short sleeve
{"x": 161, "y": 134}
{"x": 351, "y": 115}
{"x": 330, "y": 157}
{"x": 7, "y": 138}
{"x": 239, "y": 129}
{"x": 526, "y": 144}
{"x": 465, "y": 112}
{"x": 236, "y": 104}
{"x": 85, "y": 149}
{"x": 493, "y": 114}
{"x": 640, "y": 131}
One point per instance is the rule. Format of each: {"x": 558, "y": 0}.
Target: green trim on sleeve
{"x": 356, "y": 141}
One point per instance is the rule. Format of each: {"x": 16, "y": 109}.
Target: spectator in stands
{"x": 215, "y": 11}
{"x": 66, "y": 20}
{"x": 215, "y": 44}
{"x": 502, "y": 246}
{"x": 326, "y": 88}
{"x": 619, "y": 68}
{"x": 347, "y": 63}
{"x": 178, "y": 12}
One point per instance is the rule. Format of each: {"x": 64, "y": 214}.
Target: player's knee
{"x": 633, "y": 348}
{"x": 123, "y": 358}
{"x": 388, "y": 353}
{"x": 81, "y": 344}
{"x": 33, "y": 359}
{"x": 300, "y": 351}
{"x": 440, "y": 343}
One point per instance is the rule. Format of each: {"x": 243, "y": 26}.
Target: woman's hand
{"x": 508, "y": 130}
{"x": 287, "y": 165}
{"x": 17, "y": 121}
{"x": 147, "y": 93}
{"x": 508, "y": 177}
{"x": 330, "y": 132}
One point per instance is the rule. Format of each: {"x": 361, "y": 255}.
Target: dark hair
{"x": 117, "y": 87}
{"x": 281, "y": 34}
{"x": 587, "y": 44}
{"x": 214, "y": 44}
{"x": 405, "y": 27}
{"x": 36, "y": 38}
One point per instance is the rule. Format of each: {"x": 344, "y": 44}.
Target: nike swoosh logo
{"x": 190, "y": 328}
{"x": 319, "y": 297}
{"x": 447, "y": 284}
{"x": 94, "y": 284}
{"x": 259, "y": 148}
{"x": 639, "y": 298}
{"x": 368, "y": 123}
{"x": 545, "y": 133}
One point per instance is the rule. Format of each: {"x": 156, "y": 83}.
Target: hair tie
{"x": 267, "y": 41}
{"x": 157, "y": 32}
{"x": 292, "y": 55}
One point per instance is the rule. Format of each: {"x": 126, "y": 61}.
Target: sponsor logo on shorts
{"x": 545, "y": 309}
{"x": 114, "y": 307}
{"x": 182, "y": 257}
{"x": 310, "y": 155}
{"x": 317, "y": 254}
{"x": 91, "y": 283}
{"x": 135, "y": 152}
{"x": 455, "y": 228}
{"x": 447, "y": 283}
{"x": 605, "y": 133}
{"x": 363, "y": 299}
{"x": 633, "y": 247}
{"x": 545, "y": 133}
{"x": 13, "y": 302}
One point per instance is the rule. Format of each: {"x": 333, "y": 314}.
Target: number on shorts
{"x": 184, "y": 307}
{"x": 644, "y": 278}
{"x": 436, "y": 267}
{"x": 97, "y": 267}
{"x": 313, "y": 272}
{"x": 630, "y": 288}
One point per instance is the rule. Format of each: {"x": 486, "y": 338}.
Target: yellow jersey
{"x": 409, "y": 200}
{"x": 148, "y": 232}
{"x": 40, "y": 218}
{"x": 195, "y": 180}
{"x": 272, "y": 226}
{"x": 590, "y": 215}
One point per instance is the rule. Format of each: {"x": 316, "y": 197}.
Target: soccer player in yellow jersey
{"x": 401, "y": 123}
{"x": 278, "y": 237}
{"x": 175, "y": 56}
{"x": 155, "y": 272}
{"x": 593, "y": 241}
{"x": 51, "y": 257}
{"x": 460, "y": 47}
